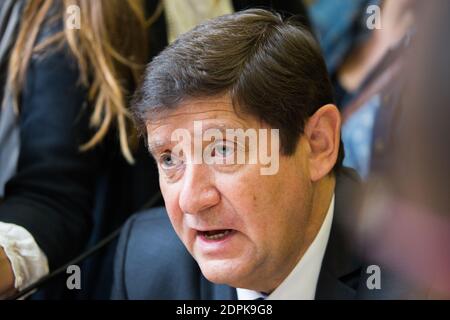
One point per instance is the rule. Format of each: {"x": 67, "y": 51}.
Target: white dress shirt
{"x": 28, "y": 262}
{"x": 301, "y": 283}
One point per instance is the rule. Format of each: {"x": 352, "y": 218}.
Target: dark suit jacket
{"x": 152, "y": 263}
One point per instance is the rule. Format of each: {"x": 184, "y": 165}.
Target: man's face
{"x": 243, "y": 228}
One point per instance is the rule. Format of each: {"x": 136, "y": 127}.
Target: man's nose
{"x": 198, "y": 191}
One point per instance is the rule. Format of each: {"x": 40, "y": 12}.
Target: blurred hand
{"x": 6, "y": 276}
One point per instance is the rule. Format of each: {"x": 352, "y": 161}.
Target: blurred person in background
{"x": 406, "y": 216}
{"x": 363, "y": 43}
{"x": 63, "y": 126}
{"x": 340, "y": 26}
{"x": 366, "y": 84}
{"x": 366, "y": 58}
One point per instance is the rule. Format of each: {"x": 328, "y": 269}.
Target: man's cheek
{"x": 173, "y": 209}
{"x": 163, "y": 188}
{"x": 176, "y": 219}
{"x": 169, "y": 194}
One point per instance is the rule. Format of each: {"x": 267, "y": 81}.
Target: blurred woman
{"x": 64, "y": 93}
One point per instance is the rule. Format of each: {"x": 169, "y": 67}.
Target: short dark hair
{"x": 271, "y": 67}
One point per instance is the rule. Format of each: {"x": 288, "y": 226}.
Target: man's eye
{"x": 223, "y": 149}
{"x": 168, "y": 161}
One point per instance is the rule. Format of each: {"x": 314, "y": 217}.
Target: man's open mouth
{"x": 215, "y": 235}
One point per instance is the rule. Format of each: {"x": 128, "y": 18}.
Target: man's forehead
{"x": 164, "y": 129}
{"x": 196, "y": 106}
{"x": 217, "y": 111}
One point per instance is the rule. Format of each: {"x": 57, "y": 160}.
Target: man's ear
{"x": 323, "y": 131}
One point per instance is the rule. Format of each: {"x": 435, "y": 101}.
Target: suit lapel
{"x": 211, "y": 291}
{"x": 341, "y": 268}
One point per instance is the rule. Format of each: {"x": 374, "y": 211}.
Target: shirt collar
{"x": 301, "y": 283}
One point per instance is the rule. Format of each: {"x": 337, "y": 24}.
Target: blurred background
{"x": 73, "y": 169}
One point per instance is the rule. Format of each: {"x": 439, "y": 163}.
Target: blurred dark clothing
{"x": 109, "y": 188}
{"x": 10, "y": 14}
{"x": 52, "y": 193}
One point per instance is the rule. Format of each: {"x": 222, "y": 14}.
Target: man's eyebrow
{"x": 213, "y": 126}
{"x": 223, "y": 126}
{"x": 154, "y": 146}
{"x": 157, "y": 144}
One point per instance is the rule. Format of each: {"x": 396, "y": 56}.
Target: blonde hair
{"x": 110, "y": 47}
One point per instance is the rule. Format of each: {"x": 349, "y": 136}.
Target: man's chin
{"x": 223, "y": 272}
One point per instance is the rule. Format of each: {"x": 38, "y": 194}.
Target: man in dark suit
{"x": 152, "y": 263}
{"x": 242, "y": 221}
